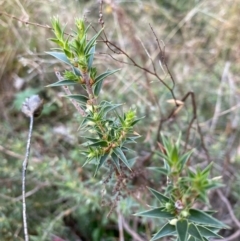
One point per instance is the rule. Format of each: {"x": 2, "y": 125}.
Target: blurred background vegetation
{"x": 65, "y": 202}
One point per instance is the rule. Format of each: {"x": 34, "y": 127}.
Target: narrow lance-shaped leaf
{"x": 91, "y": 42}
{"x": 62, "y": 83}
{"x": 108, "y": 108}
{"x": 162, "y": 198}
{"x": 193, "y": 230}
{"x": 166, "y": 230}
{"x": 156, "y": 213}
{"x": 89, "y": 160}
{"x": 205, "y": 232}
{"x": 164, "y": 157}
{"x": 167, "y": 145}
{"x": 104, "y": 75}
{"x": 91, "y": 139}
{"x": 61, "y": 56}
{"x": 99, "y": 143}
{"x": 79, "y": 98}
{"x": 90, "y": 57}
{"x": 191, "y": 238}
{"x": 99, "y": 81}
{"x": 184, "y": 158}
{"x": 203, "y": 218}
{"x": 76, "y": 71}
{"x": 136, "y": 121}
{"x": 182, "y": 229}
{"x": 121, "y": 155}
{"x": 175, "y": 155}
{"x": 102, "y": 160}
{"x": 115, "y": 160}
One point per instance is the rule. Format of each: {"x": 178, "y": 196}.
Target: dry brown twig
{"x": 129, "y": 230}
{"x": 29, "y": 23}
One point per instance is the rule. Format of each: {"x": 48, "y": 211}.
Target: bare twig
{"x": 173, "y": 114}
{"x": 219, "y": 98}
{"x": 130, "y": 230}
{"x": 117, "y": 50}
{"x": 27, "y": 194}
{"x": 25, "y": 22}
{"x": 120, "y": 226}
{"x": 230, "y": 238}
{"x": 30, "y": 23}
{"x": 162, "y": 57}
{"x": 230, "y": 210}
{"x": 15, "y": 155}
{"x": 86, "y": 79}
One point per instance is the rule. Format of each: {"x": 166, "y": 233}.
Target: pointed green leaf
{"x": 62, "y": 83}
{"x": 179, "y": 140}
{"x": 124, "y": 148}
{"x": 87, "y": 161}
{"x": 131, "y": 139}
{"x": 101, "y": 161}
{"x": 193, "y": 230}
{"x": 104, "y": 75}
{"x": 76, "y": 71}
{"x": 191, "y": 238}
{"x": 191, "y": 174}
{"x": 167, "y": 145}
{"x": 108, "y": 108}
{"x": 156, "y": 213}
{"x": 91, "y": 57}
{"x": 166, "y": 230}
{"x": 91, "y": 139}
{"x": 97, "y": 88}
{"x": 207, "y": 169}
{"x": 136, "y": 121}
{"x": 115, "y": 160}
{"x": 79, "y": 98}
{"x": 61, "y": 56}
{"x": 91, "y": 42}
{"x": 182, "y": 229}
{"x": 205, "y": 232}
{"x": 162, "y": 198}
{"x": 121, "y": 155}
{"x": 203, "y": 218}
{"x": 58, "y": 42}
{"x": 184, "y": 158}
{"x": 99, "y": 143}
{"x": 164, "y": 157}
{"x": 174, "y": 155}
{"x": 99, "y": 81}
{"x": 210, "y": 212}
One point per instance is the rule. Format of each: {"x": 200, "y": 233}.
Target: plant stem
{"x": 24, "y": 169}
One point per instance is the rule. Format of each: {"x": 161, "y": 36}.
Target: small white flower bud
{"x": 173, "y": 221}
